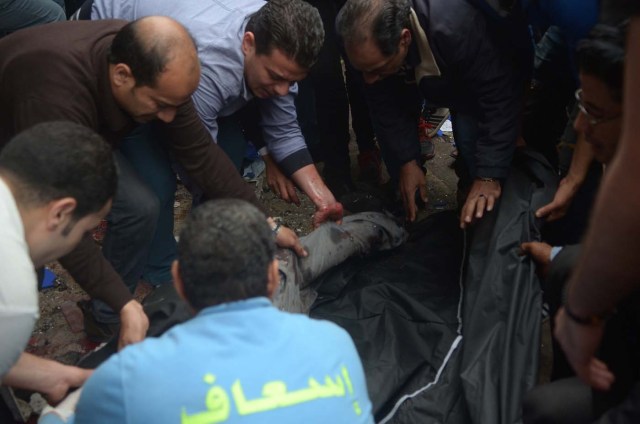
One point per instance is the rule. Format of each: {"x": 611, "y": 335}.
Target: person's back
{"x": 239, "y": 359}
{"x": 55, "y": 74}
{"x": 237, "y": 362}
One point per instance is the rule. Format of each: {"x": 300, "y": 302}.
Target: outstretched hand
{"x": 412, "y": 178}
{"x": 561, "y": 201}
{"x": 482, "y": 198}
{"x": 282, "y": 186}
{"x": 540, "y": 253}
{"x": 331, "y": 212}
{"x": 287, "y": 239}
{"x": 134, "y": 324}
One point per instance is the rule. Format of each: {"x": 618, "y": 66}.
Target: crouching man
{"x": 57, "y": 180}
{"x": 239, "y": 359}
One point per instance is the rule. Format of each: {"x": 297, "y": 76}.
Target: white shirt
{"x": 18, "y": 283}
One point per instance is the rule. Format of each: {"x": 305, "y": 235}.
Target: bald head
{"x": 150, "y": 46}
{"x": 377, "y": 21}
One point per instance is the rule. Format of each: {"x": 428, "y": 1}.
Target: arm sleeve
{"x": 282, "y": 133}
{"x": 16, "y": 326}
{"x": 492, "y": 79}
{"x": 205, "y": 162}
{"x": 85, "y": 263}
{"x": 395, "y": 106}
{"x": 88, "y": 266}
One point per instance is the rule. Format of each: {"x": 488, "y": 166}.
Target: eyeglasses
{"x": 592, "y": 120}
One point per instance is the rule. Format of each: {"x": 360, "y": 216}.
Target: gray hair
{"x": 382, "y": 20}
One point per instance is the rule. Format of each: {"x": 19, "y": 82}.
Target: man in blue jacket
{"x": 239, "y": 359}
{"x": 448, "y": 54}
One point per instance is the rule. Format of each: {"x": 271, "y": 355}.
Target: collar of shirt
{"x": 240, "y": 305}
{"x": 420, "y": 57}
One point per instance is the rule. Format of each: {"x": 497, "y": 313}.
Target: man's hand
{"x": 541, "y": 255}
{"x": 331, "y": 212}
{"x": 278, "y": 183}
{"x": 288, "y": 239}
{"x": 48, "y": 377}
{"x": 412, "y": 178}
{"x": 561, "y": 201}
{"x": 67, "y": 378}
{"x": 482, "y": 197}
{"x": 133, "y": 324}
{"x": 579, "y": 343}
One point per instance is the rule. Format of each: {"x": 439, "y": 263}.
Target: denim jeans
{"x": 139, "y": 241}
{"x": 18, "y": 14}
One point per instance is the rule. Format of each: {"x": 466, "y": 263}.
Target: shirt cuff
{"x": 554, "y": 252}
{"x": 295, "y": 161}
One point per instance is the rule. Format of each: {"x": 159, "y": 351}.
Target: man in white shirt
{"x": 57, "y": 180}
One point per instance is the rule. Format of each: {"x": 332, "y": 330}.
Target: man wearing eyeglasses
{"x": 599, "y": 126}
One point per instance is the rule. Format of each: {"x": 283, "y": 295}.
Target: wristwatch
{"x": 275, "y": 230}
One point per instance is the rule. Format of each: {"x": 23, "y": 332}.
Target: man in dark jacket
{"x": 446, "y": 53}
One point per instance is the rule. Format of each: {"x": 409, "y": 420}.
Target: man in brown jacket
{"x": 110, "y": 76}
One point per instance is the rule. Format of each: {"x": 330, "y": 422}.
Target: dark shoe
{"x": 97, "y": 332}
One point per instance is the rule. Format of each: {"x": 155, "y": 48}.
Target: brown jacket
{"x": 59, "y": 71}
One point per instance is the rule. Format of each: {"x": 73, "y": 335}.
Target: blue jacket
{"x": 238, "y": 362}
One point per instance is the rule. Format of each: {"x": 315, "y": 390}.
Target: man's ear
{"x": 405, "y": 37}
{"x": 122, "y": 76}
{"x": 60, "y": 212}
{"x": 248, "y": 43}
{"x": 273, "y": 279}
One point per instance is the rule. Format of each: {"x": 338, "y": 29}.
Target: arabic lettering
{"x": 274, "y": 395}
{"x": 217, "y": 403}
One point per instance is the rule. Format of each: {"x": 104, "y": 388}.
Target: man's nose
{"x": 282, "y": 89}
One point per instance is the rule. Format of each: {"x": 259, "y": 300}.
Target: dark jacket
{"x": 477, "y": 78}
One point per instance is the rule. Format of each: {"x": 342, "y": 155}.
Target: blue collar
{"x": 240, "y": 305}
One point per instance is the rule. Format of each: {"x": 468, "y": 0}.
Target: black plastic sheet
{"x": 438, "y": 348}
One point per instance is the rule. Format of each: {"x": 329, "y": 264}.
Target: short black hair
{"x": 224, "y": 252}
{"x": 291, "y": 26}
{"x": 381, "y": 20}
{"x": 53, "y": 160}
{"x": 602, "y": 56}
